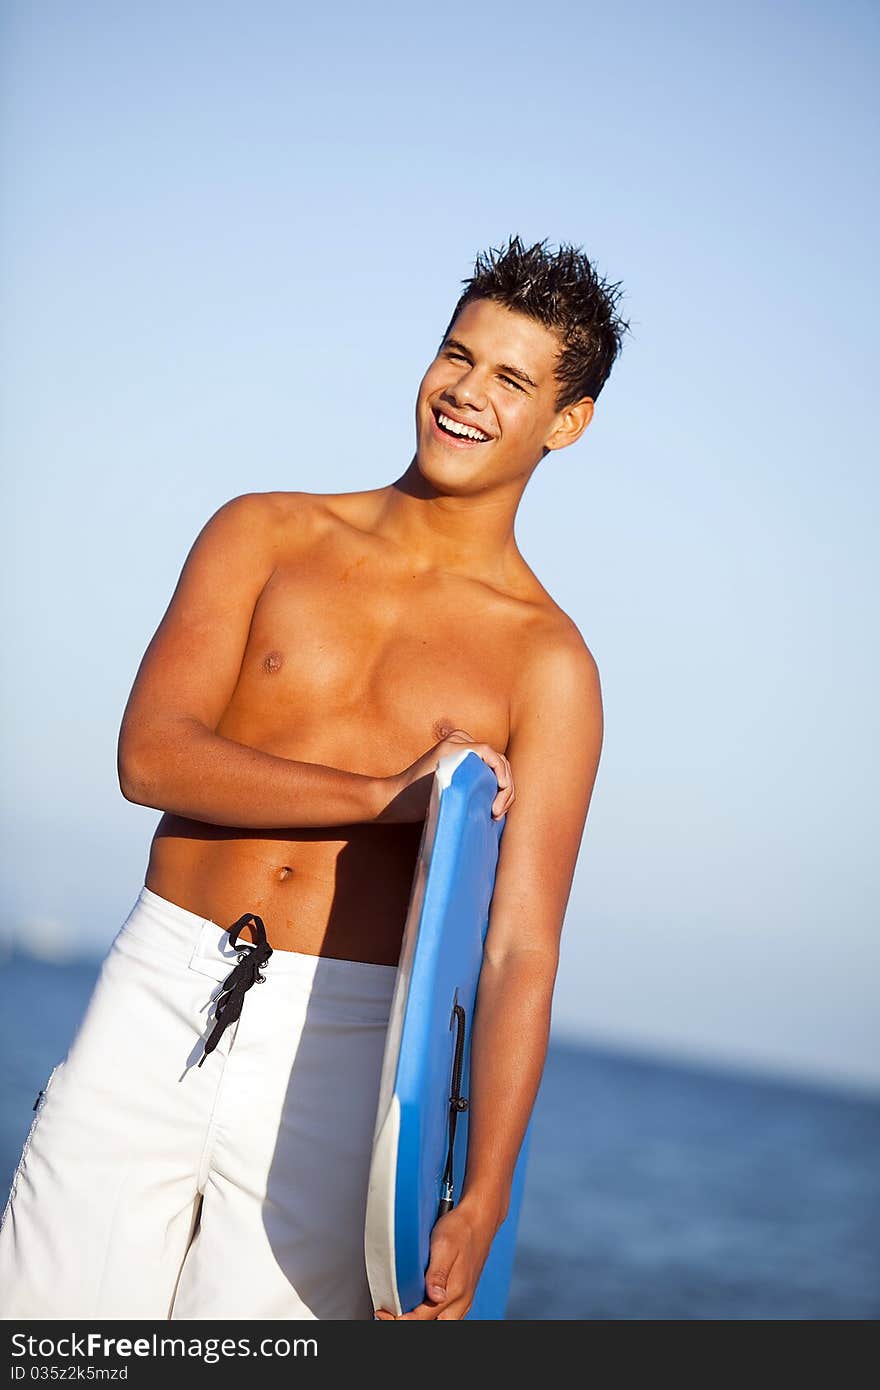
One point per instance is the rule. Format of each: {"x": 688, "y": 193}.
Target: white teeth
{"x": 466, "y": 431}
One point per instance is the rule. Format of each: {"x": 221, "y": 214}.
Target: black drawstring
{"x": 245, "y": 974}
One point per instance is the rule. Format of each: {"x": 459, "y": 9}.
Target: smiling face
{"x": 485, "y": 411}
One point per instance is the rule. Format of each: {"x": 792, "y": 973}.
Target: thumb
{"x": 435, "y": 1281}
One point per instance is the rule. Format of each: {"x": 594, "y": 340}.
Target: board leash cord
{"x": 457, "y": 1103}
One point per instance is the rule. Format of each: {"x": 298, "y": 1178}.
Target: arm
{"x": 169, "y": 756}
{"x": 554, "y": 750}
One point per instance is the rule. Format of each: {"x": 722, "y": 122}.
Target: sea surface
{"x": 653, "y": 1191}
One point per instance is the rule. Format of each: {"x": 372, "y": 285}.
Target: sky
{"x": 232, "y": 235}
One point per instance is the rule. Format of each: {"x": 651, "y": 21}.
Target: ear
{"x": 570, "y": 424}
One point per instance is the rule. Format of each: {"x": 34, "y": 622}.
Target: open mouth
{"x": 465, "y": 436}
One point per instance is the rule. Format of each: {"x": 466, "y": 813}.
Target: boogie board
{"x": 420, "y": 1137}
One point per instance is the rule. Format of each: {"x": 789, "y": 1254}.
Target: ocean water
{"x": 653, "y": 1191}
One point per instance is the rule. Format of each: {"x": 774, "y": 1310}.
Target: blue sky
{"x": 232, "y": 235}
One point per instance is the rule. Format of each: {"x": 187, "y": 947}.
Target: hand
{"x": 460, "y": 1243}
{"x": 405, "y": 797}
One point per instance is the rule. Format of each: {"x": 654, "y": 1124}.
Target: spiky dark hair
{"x": 563, "y": 291}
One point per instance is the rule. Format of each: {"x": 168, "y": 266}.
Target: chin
{"x": 445, "y": 472}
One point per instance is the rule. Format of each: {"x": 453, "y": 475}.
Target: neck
{"x": 472, "y": 534}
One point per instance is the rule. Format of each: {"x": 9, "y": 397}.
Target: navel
{"x": 284, "y": 872}
{"x": 272, "y": 662}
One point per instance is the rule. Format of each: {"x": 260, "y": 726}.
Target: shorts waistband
{"x": 204, "y": 945}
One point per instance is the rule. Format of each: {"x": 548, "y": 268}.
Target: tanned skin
{"x": 319, "y": 655}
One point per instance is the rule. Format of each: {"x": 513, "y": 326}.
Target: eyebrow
{"x": 501, "y": 366}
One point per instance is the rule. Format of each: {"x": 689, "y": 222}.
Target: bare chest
{"x": 356, "y": 663}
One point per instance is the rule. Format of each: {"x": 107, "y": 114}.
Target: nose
{"x": 468, "y": 389}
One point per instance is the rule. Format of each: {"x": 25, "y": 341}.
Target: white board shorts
{"x": 152, "y": 1187}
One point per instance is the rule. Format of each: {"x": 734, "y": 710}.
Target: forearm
{"x": 190, "y": 771}
{"x": 508, "y": 1050}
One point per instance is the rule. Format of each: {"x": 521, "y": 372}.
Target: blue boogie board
{"x": 427, "y": 1049}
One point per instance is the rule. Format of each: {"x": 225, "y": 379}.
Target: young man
{"x": 206, "y": 1154}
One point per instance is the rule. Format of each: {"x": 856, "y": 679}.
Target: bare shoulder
{"x": 276, "y": 520}
{"x": 557, "y": 674}
{"x": 285, "y": 526}
{"x": 315, "y": 511}
{"x": 272, "y": 509}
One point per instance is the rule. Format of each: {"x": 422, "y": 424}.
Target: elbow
{"x": 539, "y": 964}
{"x": 149, "y": 761}
{"x": 135, "y": 787}
{"x": 137, "y": 778}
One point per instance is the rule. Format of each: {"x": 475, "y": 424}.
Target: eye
{"x": 512, "y": 383}
{"x": 459, "y": 355}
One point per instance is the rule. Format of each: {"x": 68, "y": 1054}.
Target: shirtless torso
{"x": 357, "y": 660}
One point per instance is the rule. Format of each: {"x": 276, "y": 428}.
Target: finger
{"x": 494, "y": 760}
{"x": 505, "y": 782}
{"x": 423, "y": 1312}
{"x": 436, "y": 1277}
{"x": 442, "y": 1267}
{"x": 510, "y": 781}
{"x": 504, "y": 777}
{"x": 455, "y": 1310}
{"x": 382, "y": 1315}
{"x": 510, "y": 796}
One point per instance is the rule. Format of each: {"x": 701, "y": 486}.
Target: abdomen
{"x": 342, "y": 892}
